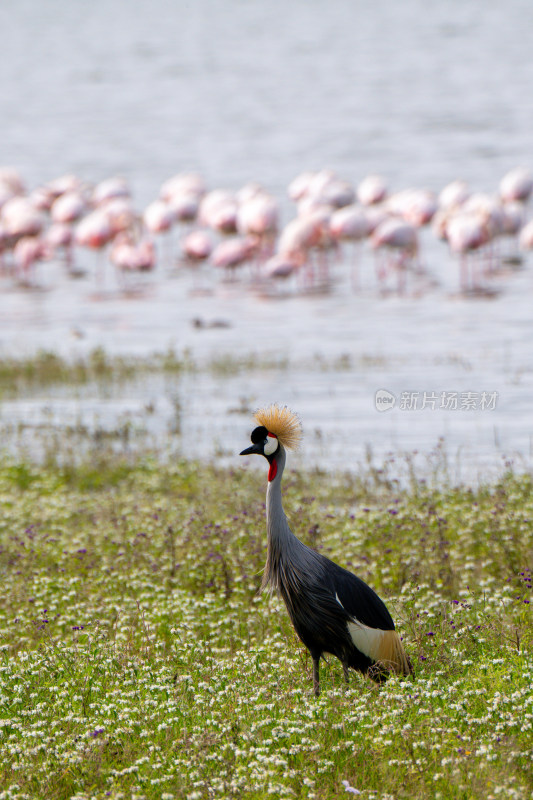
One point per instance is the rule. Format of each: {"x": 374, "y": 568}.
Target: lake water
{"x": 420, "y": 93}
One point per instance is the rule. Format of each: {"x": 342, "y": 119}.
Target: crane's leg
{"x": 346, "y": 673}
{"x": 316, "y": 675}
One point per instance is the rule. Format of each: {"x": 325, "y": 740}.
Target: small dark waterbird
{"x": 332, "y": 610}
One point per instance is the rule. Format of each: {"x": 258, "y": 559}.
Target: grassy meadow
{"x": 137, "y": 659}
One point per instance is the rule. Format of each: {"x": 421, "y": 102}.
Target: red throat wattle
{"x": 273, "y": 469}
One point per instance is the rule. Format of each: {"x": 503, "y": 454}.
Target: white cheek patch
{"x": 271, "y": 445}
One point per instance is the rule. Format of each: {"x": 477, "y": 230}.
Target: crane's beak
{"x": 255, "y": 448}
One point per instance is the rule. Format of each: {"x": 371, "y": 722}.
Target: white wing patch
{"x": 367, "y": 640}
{"x": 378, "y": 645}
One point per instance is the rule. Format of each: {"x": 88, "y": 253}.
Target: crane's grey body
{"x": 312, "y": 587}
{"x": 332, "y": 610}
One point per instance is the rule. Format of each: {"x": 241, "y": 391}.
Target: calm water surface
{"x": 244, "y": 91}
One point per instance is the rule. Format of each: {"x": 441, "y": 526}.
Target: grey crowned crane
{"x": 332, "y": 610}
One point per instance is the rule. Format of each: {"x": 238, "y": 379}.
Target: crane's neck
{"x": 280, "y": 538}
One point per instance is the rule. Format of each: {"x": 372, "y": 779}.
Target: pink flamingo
{"x": 60, "y": 236}
{"x": 299, "y": 186}
{"x": 68, "y": 207}
{"x": 218, "y": 210}
{"x": 44, "y": 197}
{"x": 188, "y": 184}
{"x": 311, "y": 204}
{"x": 158, "y": 219}
{"x": 453, "y": 195}
{"x": 248, "y": 192}
{"x": 319, "y": 181}
{"x": 128, "y": 255}
{"x": 467, "y": 233}
{"x": 64, "y": 185}
{"x": 280, "y": 268}
{"x": 185, "y": 207}
{"x": 4, "y": 242}
{"x": 196, "y": 247}
{"x": 351, "y": 224}
{"x": 399, "y": 238}
{"x": 28, "y": 251}
{"x": 259, "y": 217}
{"x": 516, "y": 186}
{"x": 512, "y": 216}
{"x": 338, "y": 194}
{"x": 375, "y": 215}
{"x": 327, "y": 188}
{"x": 490, "y": 211}
{"x": 305, "y": 235}
{"x": 11, "y": 185}
{"x": 120, "y": 214}
{"x": 324, "y": 188}
{"x": 372, "y": 190}
{"x": 526, "y": 236}
{"x": 232, "y": 253}
{"x": 439, "y": 224}
{"x": 183, "y": 194}
{"x": 146, "y": 258}
{"x": 511, "y": 225}
{"x": 110, "y": 189}
{"x": 11, "y": 179}
{"x": 486, "y": 205}
{"x": 5, "y": 195}
{"x": 297, "y": 239}
{"x": 95, "y": 232}
{"x": 19, "y": 218}
{"x": 417, "y": 206}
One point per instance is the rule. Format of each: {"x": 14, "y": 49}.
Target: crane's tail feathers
{"x": 391, "y": 654}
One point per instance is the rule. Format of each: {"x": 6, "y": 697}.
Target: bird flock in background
{"x": 239, "y": 233}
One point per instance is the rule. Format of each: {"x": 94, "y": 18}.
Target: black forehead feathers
{"x": 259, "y": 434}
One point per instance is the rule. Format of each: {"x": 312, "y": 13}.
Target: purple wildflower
{"x": 350, "y": 788}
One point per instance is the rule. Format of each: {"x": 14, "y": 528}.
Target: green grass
{"x": 45, "y": 369}
{"x": 138, "y": 660}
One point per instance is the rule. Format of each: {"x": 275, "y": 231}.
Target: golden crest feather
{"x": 283, "y": 422}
